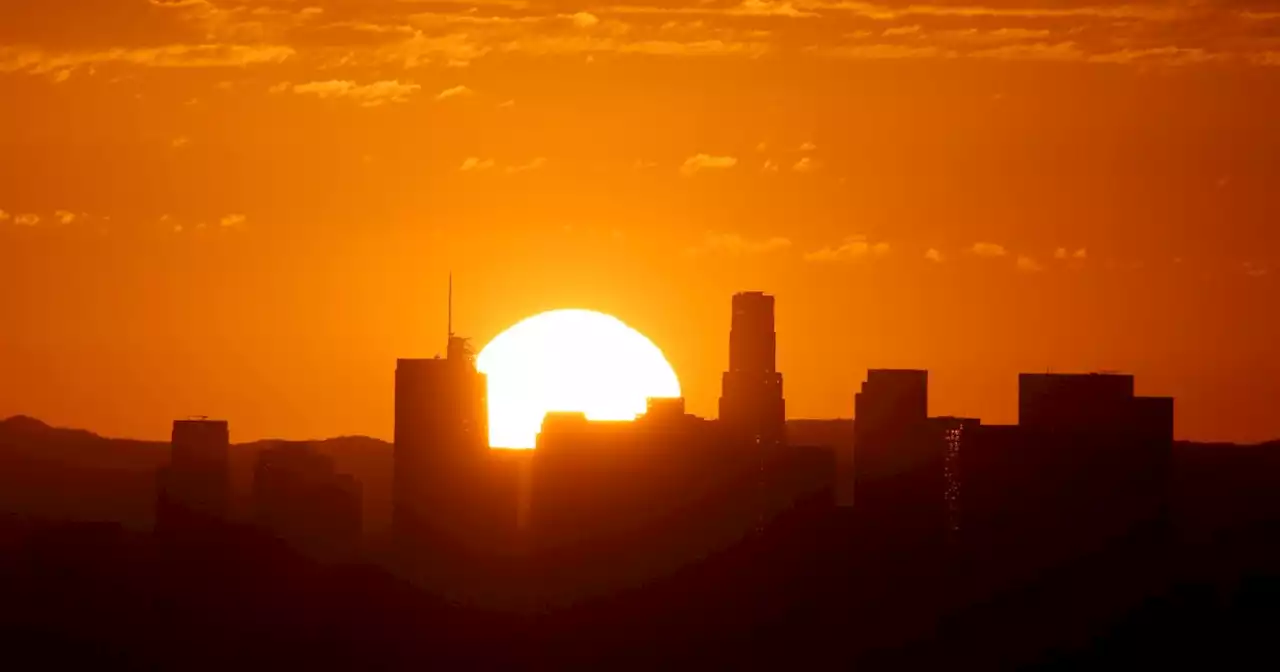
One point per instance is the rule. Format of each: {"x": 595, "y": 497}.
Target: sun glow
{"x": 569, "y": 360}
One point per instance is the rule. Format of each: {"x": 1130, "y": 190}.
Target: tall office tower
{"x": 899, "y": 470}
{"x": 751, "y": 404}
{"x": 1092, "y": 401}
{"x": 1091, "y": 428}
{"x": 956, "y": 435}
{"x": 441, "y": 431}
{"x": 196, "y": 484}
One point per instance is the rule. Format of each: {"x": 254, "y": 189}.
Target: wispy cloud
{"x": 808, "y": 147}
{"x": 1028, "y": 264}
{"x": 416, "y": 33}
{"x": 700, "y": 162}
{"x": 4, "y": 216}
{"x": 64, "y": 217}
{"x": 988, "y": 250}
{"x": 932, "y": 254}
{"x": 769, "y": 8}
{"x": 233, "y": 221}
{"x": 1064, "y": 253}
{"x": 584, "y": 19}
{"x": 27, "y": 219}
{"x": 473, "y": 163}
{"x": 534, "y": 164}
{"x": 804, "y": 165}
{"x": 853, "y": 247}
{"x": 901, "y": 30}
{"x": 367, "y": 95}
{"x": 36, "y": 61}
{"x": 454, "y": 92}
{"x": 180, "y": 142}
{"x": 886, "y": 12}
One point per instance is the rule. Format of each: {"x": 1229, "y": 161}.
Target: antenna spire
{"x": 450, "y": 304}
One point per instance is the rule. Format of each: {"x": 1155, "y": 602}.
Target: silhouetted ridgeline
{"x": 75, "y": 475}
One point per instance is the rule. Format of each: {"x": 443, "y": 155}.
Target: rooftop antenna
{"x": 450, "y": 304}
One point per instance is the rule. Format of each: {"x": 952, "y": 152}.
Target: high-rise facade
{"x": 956, "y": 435}
{"x": 196, "y": 484}
{"x": 1085, "y": 471}
{"x": 441, "y": 432}
{"x": 1088, "y": 401}
{"x": 752, "y": 407}
{"x": 899, "y": 466}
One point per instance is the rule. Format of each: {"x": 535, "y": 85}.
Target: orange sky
{"x": 249, "y": 209}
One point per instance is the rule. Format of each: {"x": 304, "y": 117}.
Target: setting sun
{"x": 569, "y": 360}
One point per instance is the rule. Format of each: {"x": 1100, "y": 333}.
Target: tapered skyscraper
{"x": 751, "y": 403}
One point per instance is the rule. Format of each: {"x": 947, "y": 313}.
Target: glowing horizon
{"x": 569, "y": 360}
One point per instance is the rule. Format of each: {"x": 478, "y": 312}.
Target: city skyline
{"x": 768, "y": 364}
{"x": 248, "y": 208}
{"x": 658, "y": 334}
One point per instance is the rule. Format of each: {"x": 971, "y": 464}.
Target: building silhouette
{"x": 899, "y": 464}
{"x": 752, "y": 408}
{"x": 615, "y": 504}
{"x": 194, "y": 489}
{"x": 441, "y": 431}
{"x": 456, "y": 502}
{"x": 1085, "y": 473}
{"x": 955, "y": 435}
{"x": 299, "y": 497}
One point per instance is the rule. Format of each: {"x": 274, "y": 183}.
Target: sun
{"x": 569, "y": 360}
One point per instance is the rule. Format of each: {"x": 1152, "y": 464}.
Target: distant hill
{"x": 76, "y": 475}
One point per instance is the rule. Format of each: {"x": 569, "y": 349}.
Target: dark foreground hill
{"x": 798, "y": 594}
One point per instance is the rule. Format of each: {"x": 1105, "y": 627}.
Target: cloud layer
{"x": 327, "y": 34}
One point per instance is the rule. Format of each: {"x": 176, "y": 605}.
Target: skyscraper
{"x": 1023, "y": 483}
{"x": 1094, "y": 424}
{"x": 441, "y": 430}
{"x": 899, "y": 469}
{"x": 752, "y": 407}
{"x": 1090, "y": 401}
{"x": 196, "y": 484}
{"x": 444, "y": 510}
{"x": 956, "y": 435}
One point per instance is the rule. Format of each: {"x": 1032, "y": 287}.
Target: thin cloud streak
{"x": 852, "y": 248}
{"x": 988, "y": 250}
{"x": 454, "y": 92}
{"x": 701, "y": 162}
{"x": 367, "y": 95}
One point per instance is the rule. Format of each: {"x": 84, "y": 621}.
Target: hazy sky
{"x": 249, "y": 209}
